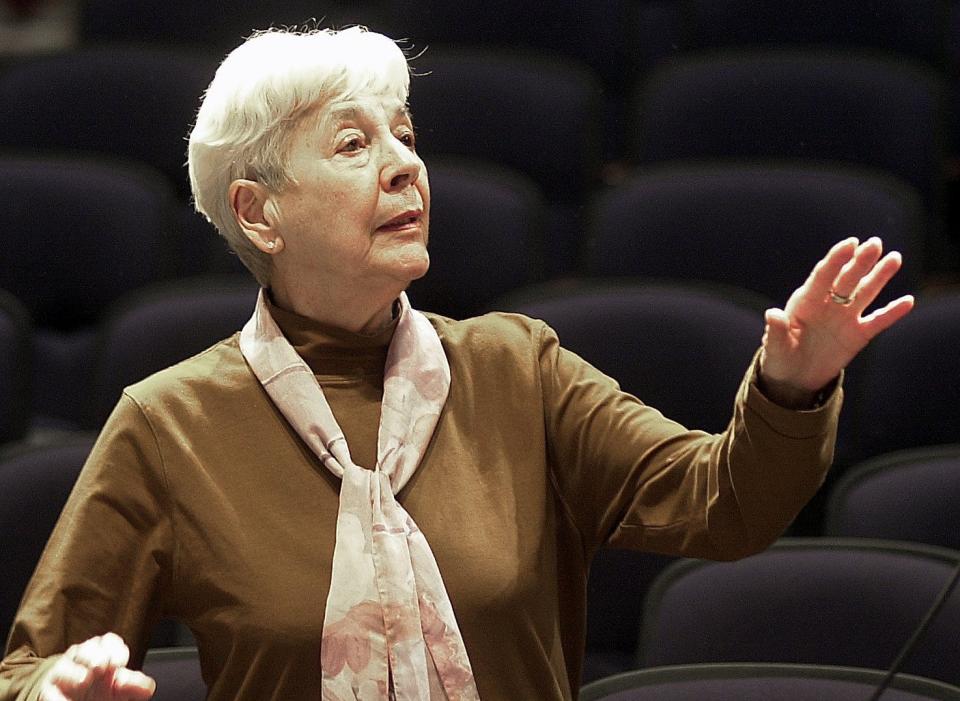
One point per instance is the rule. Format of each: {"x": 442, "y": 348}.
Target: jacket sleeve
{"x": 629, "y": 477}
{"x": 107, "y": 562}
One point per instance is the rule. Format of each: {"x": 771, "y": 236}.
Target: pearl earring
{"x": 271, "y": 245}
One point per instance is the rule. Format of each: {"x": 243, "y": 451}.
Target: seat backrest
{"x": 762, "y": 682}
{"x": 16, "y": 366}
{"x": 87, "y": 231}
{"x": 177, "y": 673}
{"x": 532, "y": 113}
{"x": 34, "y": 484}
{"x": 132, "y": 102}
{"x": 619, "y": 580}
{"x": 600, "y": 34}
{"x": 841, "y": 601}
{"x": 914, "y": 28}
{"x": 909, "y": 495}
{"x": 905, "y": 390}
{"x": 157, "y": 327}
{"x": 681, "y": 349}
{"x": 845, "y": 107}
{"x": 485, "y": 227}
{"x": 191, "y": 23}
{"x": 758, "y": 227}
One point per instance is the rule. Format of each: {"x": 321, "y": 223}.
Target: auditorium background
{"x": 650, "y": 172}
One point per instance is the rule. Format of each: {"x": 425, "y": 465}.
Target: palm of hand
{"x": 816, "y": 335}
{"x": 823, "y": 337}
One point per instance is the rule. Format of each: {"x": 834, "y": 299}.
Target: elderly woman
{"x": 354, "y": 500}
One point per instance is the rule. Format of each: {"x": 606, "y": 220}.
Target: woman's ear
{"x": 256, "y": 214}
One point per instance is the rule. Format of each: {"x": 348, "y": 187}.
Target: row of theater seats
{"x": 620, "y": 41}
{"x": 851, "y": 597}
{"x": 91, "y": 230}
{"x": 615, "y": 37}
{"x": 679, "y": 347}
{"x": 91, "y": 233}
{"x": 545, "y": 118}
{"x": 178, "y": 675}
{"x": 682, "y": 348}
{"x": 756, "y": 226}
{"x": 831, "y": 600}
{"x": 762, "y": 681}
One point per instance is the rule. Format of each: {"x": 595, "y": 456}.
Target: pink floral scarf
{"x": 389, "y": 630}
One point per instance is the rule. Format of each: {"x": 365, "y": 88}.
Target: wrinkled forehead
{"x": 362, "y": 109}
{"x": 360, "y": 90}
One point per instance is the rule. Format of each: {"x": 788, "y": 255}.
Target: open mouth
{"x": 404, "y": 220}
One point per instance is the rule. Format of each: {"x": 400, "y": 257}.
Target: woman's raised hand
{"x": 95, "y": 670}
{"x": 822, "y": 328}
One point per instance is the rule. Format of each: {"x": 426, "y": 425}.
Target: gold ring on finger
{"x": 842, "y": 300}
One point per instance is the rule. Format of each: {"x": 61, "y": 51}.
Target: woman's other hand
{"x": 821, "y": 329}
{"x": 96, "y": 670}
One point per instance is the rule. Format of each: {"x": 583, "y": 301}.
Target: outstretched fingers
{"x": 863, "y": 262}
{"x": 885, "y": 317}
{"x": 825, "y": 272}
{"x": 873, "y": 282}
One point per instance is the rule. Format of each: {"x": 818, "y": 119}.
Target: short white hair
{"x": 256, "y": 99}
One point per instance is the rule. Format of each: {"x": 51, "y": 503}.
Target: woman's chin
{"x": 420, "y": 269}
{"x": 412, "y": 263}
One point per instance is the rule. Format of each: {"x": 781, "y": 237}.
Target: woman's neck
{"x": 367, "y": 315}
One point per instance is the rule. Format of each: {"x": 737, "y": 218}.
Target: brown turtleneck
{"x": 200, "y": 502}
{"x": 349, "y": 367}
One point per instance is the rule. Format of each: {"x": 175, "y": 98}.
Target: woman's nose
{"x": 402, "y": 167}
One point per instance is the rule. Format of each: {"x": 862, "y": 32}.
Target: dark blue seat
{"x": 762, "y": 682}
{"x": 838, "y": 601}
{"x": 35, "y": 481}
{"x": 844, "y": 107}
{"x": 177, "y": 673}
{"x": 16, "y": 368}
{"x": 485, "y": 237}
{"x": 913, "y": 28}
{"x": 207, "y": 252}
{"x": 904, "y": 390}
{"x": 680, "y": 348}
{"x": 529, "y": 112}
{"x": 160, "y": 326}
{"x": 618, "y": 581}
{"x": 131, "y": 102}
{"x": 209, "y": 25}
{"x": 758, "y": 227}
{"x": 598, "y": 34}
{"x": 535, "y": 114}
{"x": 87, "y": 231}
{"x": 616, "y": 39}
{"x": 909, "y": 495}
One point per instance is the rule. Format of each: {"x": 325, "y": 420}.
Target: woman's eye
{"x": 354, "y": 143}
{"x": 407, "y": 139}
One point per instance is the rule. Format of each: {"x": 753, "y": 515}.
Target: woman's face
{"x": 357, "y": 215}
